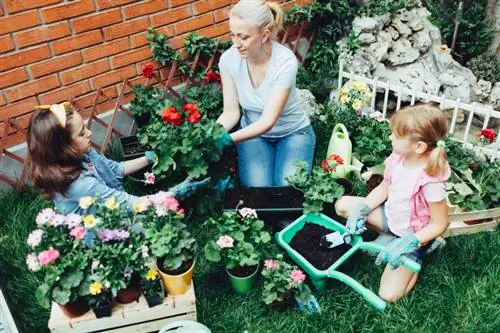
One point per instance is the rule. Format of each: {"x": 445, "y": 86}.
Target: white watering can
{"x": 184, "y": 326}
{"x": 341, "y": 145}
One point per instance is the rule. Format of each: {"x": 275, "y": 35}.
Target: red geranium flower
{"x": 171, "y": 116}
{"x": 329, "y": 164}
{"x": 148, "y": 71}
{"x": 211, "y": 76}
{"x": 194, "y": 114}
{"x": 489, "y": 134}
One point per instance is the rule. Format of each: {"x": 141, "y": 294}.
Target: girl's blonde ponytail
{"x": 260, "y": 13}
{"x": 278, "y": 17}
{"x": 436, "y": 163}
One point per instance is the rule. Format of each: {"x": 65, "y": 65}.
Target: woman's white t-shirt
{"x": 281, "y": 73}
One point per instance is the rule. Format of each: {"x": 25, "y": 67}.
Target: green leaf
{"x": 42, "y": 296}
{"x": 61, "y": 296}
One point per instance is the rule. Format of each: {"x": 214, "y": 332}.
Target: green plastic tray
{"x": 318, "y": 277}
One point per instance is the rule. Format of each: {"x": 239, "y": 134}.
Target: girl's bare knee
{"x": 341, "y": 207}
{"x": 390, "y": 295}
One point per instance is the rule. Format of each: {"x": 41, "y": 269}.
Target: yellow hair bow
{"x": 59, "y": 110}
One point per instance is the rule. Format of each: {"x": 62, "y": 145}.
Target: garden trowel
{"x": 335, "y": 239}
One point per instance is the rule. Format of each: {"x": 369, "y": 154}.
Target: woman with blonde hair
{"x": 259, "y": 75}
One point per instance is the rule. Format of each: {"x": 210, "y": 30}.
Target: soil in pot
{"x": 184, "y": 267}
{"x": 373, "y": 182}
{"x": 143, "y": 119}
{"x": 284, "y": 303}
{"x": 307, "y": 241}
{"x": 242, "y": 271}
{"x": 264, "y": 197}
{"x": 131, "y": 293}
{"x": 74, "y": 309}
{"x": 133, "y": 148}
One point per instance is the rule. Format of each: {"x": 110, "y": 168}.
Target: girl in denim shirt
{"x": 409, "y": 207}
{"x": 64, "y": 167}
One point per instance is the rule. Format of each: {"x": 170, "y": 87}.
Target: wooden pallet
{"x": 7, "y": 323}
{"x": 490, "y": 220}
{"x": 135, "y": 317}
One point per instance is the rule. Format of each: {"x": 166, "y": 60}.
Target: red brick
{"x": 177, "y": 42}
{"x": 64, "y": 11}
{"x": 167, "y": 30}
{"x": 130, "y": 57}
{"x": 63, "y": 94}
{"x": 175, "y": 3}
{"x": 288, "y": 6}
{"x": 104, "y": 4}
{"x": 42, "y": 34}
{"x": 170, "y": 16}
{"x": 56, "y": 64}
{"x": 32, "y": 88}
{"x": 6, "y": 44}
{"x": 205, "y": 6}
{"x": 114, "y": 76}
{"x": 144, "y": 7}
{"x": 77, "y": 42}
{"x": 94, "y": 21}
{"x": 14, "y": 6}
{"x": 16, "y": 109}
{"x": 12, "y": 77}
{"x": 18, "y": 22}
{"x": 126, "y": 28}
{"x": 86, "y": 100}
{"x": 1, "y": 11}
{"x": 194, "y": 23}
{"x": 106, "y": 49}
{"x": 221, "y": 14}
{"x": 2, "y": 100}
{"x": 84, "y": 71}
{"x": 215, "y": 30}
{"x": 24, "y": 57}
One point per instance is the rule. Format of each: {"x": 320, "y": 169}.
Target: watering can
{"x": 341, "y": 145}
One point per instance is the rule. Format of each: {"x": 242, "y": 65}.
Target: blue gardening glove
{"x": 394, "y": 252}
{"x": 306, "y": 301}
{"x": 355, "y": 224}
{"x": 224, "y": 141}
{"x": 224, "y": 184}
{"x": 187, "y": 187}
{"x": 151, "y": 157}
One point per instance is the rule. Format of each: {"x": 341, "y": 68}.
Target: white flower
{"x": 145, "y": 251}
{"x": 34, "y": 238}
{"x": 58, "y": 220}
{"x": 85, "y": 202}
{"x": 45, "y": 216}
{"x": 248, "y": 212}
{"x": 95, "y": 264}
{"x": 32, "y": 262}
{"x": 73, "y": 220}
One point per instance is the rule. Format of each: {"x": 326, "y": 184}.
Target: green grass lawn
{"x": 458, "y": 290}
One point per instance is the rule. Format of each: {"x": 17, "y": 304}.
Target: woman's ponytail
{"x": 278, "y": 16}
{"x": 436, "y": 163}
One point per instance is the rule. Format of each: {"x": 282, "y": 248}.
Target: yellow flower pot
{"x": 177, "y": 284}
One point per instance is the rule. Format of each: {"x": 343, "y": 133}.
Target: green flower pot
{"x": 243, "y": 285}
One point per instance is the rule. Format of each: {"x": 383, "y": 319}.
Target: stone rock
{"x": 309, "y": 101}
{"x": 405, "y": 15}
{"x": 402, "y": 53}
{"x": 384, "y": 36}
{"x": 421, "y": 41}
{"x": 451, "y": 79}
{"x": 379, "y": 50}
{"x": 362, "y": 63}
{"x": 494, "y": 99}
{"x": 455, "y": 86}
{"x": 416, "y": 24}
{"x": 434, "y": 32}
{"x": 366, "y": 38}
{"x": 481, "y": 90}
{"x": 401, "y": 27}
{"x": 383, "y": 20}
{"x": 393, "y": 32}
{"x": 460, "y": 115}
{"x": 364, "y": 24}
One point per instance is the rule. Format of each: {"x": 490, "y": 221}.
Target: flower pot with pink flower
{"x": 170, "y": 242}
{"x": 59, "y": 257}
{"x": 239, "y": 239}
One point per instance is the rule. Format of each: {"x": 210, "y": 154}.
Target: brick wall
{"x": 53, "y": 49}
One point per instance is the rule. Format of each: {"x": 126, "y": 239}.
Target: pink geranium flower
{"x": 149, "y": 178}
{"x": 248, "y": 212}
{"x": 225, "y": 242}
{"x": 271, "y": 264}
{"x": 48, "y": 256}
{"x": 298, "y": 276}
{"x": 73, "y": 220}
{"x": 45, "y": 216}
{"x": 77, "y": 232}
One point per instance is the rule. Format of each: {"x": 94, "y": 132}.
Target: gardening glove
{"x": 355, "y": 224}
{"x": 394, "y": 252}
{"x": 187, "y": 187}
{"x": 151, "y": 157}
{"x": 306, "y": 301}
{"x": 224, "y": 184}
{"x": 224, "y": 141}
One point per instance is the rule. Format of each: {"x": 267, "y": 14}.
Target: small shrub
{"x": 486, "y": 67}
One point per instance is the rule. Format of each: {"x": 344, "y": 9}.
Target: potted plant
{"x": 239, "y": 236}
{"x": 100, "y": 297}
{"x": 115, "y": 245}
{"x": 60, "y": 259}
{"x": 170, "y": 242}
{"x": 146, "y": 98}
{"x": 152, "y": 288}
{"x": 282, "y": 283}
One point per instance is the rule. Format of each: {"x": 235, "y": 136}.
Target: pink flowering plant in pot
{"x": 238, "y": 240}
{"x": 282, "y": 282}
{"x": 58, "y": 257}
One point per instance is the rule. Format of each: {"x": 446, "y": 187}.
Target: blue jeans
{"x": 265, "y": 162}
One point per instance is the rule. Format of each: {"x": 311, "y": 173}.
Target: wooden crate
{"x": 135, "y": 317}
{"x": 458, "y": 226}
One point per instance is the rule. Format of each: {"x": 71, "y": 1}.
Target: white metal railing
{"x": 7, "y": 323}
{"x": 444, "y": 103}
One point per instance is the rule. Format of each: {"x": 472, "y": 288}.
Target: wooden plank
{"x": 133, "y": 317}
{"x": 460, "y": 228}
{"x": 493, "y": 213}
{"x": 7, "y": 323}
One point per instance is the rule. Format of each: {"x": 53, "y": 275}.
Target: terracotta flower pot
{"x": 286, "y": 301}
{"x": 131, "y": 293}
{"x": 74, "y": 309}
{"x": 176, "y": 284}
